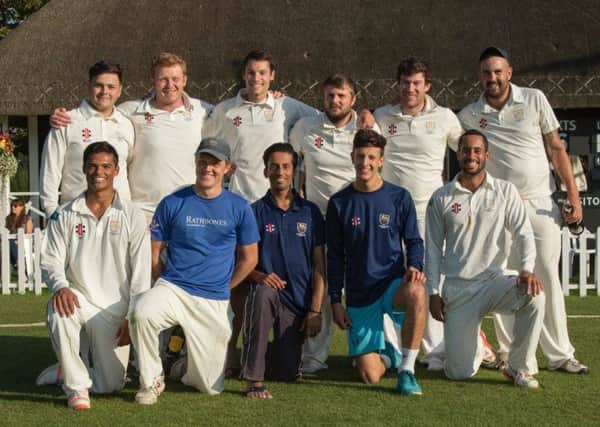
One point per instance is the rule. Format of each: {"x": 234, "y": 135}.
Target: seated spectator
{"x": 18, "y": 218}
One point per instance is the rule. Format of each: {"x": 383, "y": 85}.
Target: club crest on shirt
{"x": 384, "y": 220}
{"x": 430, "y": 126}
{"x": 519, "y": 115}
{"x": 80, "y": 230}
{"x": 268, "y": 114}
{"x": 488, "y": 202}
{"x": 301, "y": 228}
{"x": 114, "y": 226}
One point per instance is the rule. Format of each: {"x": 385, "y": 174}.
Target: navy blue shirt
{"x": 287, "y": 241}
{"x": 365, "y": 231}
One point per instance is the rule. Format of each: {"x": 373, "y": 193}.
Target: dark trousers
{"x": 279, "y": 360}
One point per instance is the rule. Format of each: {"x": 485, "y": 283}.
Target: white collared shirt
{"x": 414, "y": 155}
{"x": 325, "y": 151}
{"x": 250, "y": 128}
{"x": 515, "y": 134}
{"x": 106, "y": 259}
{"x": 62, "y": 156}
{"x": 163, "y": 159}
{"x": 466, "y": 232}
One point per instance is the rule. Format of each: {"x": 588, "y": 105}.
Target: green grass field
{"x": 334, "y": 397}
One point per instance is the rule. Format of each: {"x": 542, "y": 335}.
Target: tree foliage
{"x": 14, "y": 12}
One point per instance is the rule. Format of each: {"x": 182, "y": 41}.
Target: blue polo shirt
{"x": 202, "y": 236}
{"x": 287, "y": 241}
{"x": 365, "y": 232}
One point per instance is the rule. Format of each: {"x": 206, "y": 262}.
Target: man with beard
{"x": 523, "y": 134}
{"x": 467, "y": 222}
{"x": 324, "y": 143}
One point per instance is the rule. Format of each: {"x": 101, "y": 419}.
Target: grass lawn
{"x": 333, "y": 397}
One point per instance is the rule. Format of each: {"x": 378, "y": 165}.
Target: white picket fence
{"x": 588, "y": 255}
{"x": 29, "y": 274}
{"x": 29, "y": 277}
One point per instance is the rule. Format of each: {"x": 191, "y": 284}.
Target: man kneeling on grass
{"x": 287, "y": 286}
{"x": 95, "y": 262}
{"x": 368, "y": 223}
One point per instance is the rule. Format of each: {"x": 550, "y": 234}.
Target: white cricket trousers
{"x": 467, "y": 302}
{"x": 207, "y": 326}
{"x": 544, "y": 216}
{"x": 109, "y": 361}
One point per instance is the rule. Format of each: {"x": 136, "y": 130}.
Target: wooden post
{"x": 22, "y": 277}
{"x": 5, "y": 264}
{"x": 37, "y": 251}
{"x": 33, "y": 145}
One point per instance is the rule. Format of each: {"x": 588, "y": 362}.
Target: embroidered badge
{"x": 430, "y": 126}
{"x": 149, "y": 117}
{"x": 483, "y": 123}
{"x": 301, "y": 228}
{"x": 270, "y": 228}
{"x": 80, "y": 230}
{"x": 384, "y": 220}
{"x": 86, "y": 134}
{"x": 318, "y": 142}
{"x": 237, "y": 121}
{"x": 392, "y": 129}
{"x": 519, "y": 115}
{"x": 115, "y": 226}
{"x": 455, "y": 208}
{"x": 355, "y": 221}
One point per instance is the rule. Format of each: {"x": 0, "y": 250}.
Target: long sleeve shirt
{"x": 365, "y": 236}
{"x": 106, "y": 259}
{"x": 466, "y": 232}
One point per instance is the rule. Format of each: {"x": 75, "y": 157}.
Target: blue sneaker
{"x": 392, "y": 358}
{"x": 407, "y": 384}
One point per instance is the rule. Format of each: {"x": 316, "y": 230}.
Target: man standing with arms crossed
{"x": 210, "y": 236}
{"x": 368, "y": 223}
{"x": 418, "y": 132}
{"x": 95, "y": 262}
{"x": 287, "y": 286}
{"x": 467, "y": 223}
{"x": 523, "y": 134}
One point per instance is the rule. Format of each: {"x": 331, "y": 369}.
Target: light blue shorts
{"x": 366, "y": 334}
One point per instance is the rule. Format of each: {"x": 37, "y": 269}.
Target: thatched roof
{"x": 554, "y": 46}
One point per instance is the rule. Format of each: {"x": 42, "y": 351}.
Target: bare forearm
{"x": 242, "y": 269}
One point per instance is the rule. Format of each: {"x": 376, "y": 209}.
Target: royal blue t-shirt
{"x": 202, "y": 236}
{"x": 365, "y": 232}
{"x": 287, "y": 241}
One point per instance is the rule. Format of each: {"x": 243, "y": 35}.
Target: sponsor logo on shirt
{"x": 392, "y": 129}
{"x": 384, "y": 220}
{"x": 149, "y": 117}
{"x": 153, "y": 225}
{"x": 318, "y": 142}
{"x": 355, "y": 221}
{"x": 237, "y": 121}
{"x": 191, "y": 221}
{"x": 483, "y": 123}
{"x": 270, "y": 228}
{"x": 301, "y": 228}
{"x": 80, "y": 230}
{"x": 455, "y": 208}
{"x": 86, "y": 134}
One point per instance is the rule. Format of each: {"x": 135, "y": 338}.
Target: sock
{"x": 409, "y": 356}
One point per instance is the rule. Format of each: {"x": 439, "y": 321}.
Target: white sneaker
{"x": 78, "y": 400}
{"x": 52, "y": 375}
{"x": 520, "y": 379}
{"x": 572, "y": 366}
{"x": 149, "y": 396}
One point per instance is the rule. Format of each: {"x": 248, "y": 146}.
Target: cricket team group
{"x": 332, "y": 216}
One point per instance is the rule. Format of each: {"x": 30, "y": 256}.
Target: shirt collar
{"x": 516, "y": 97}
{"x": 488, "y": 182}
{"x": 88, "y": 112}
{"x": 269, "y": 101}
{"x": 351, "y": 125}
{"x": 297, "y": 201}
{"x": 80, "y": 206}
